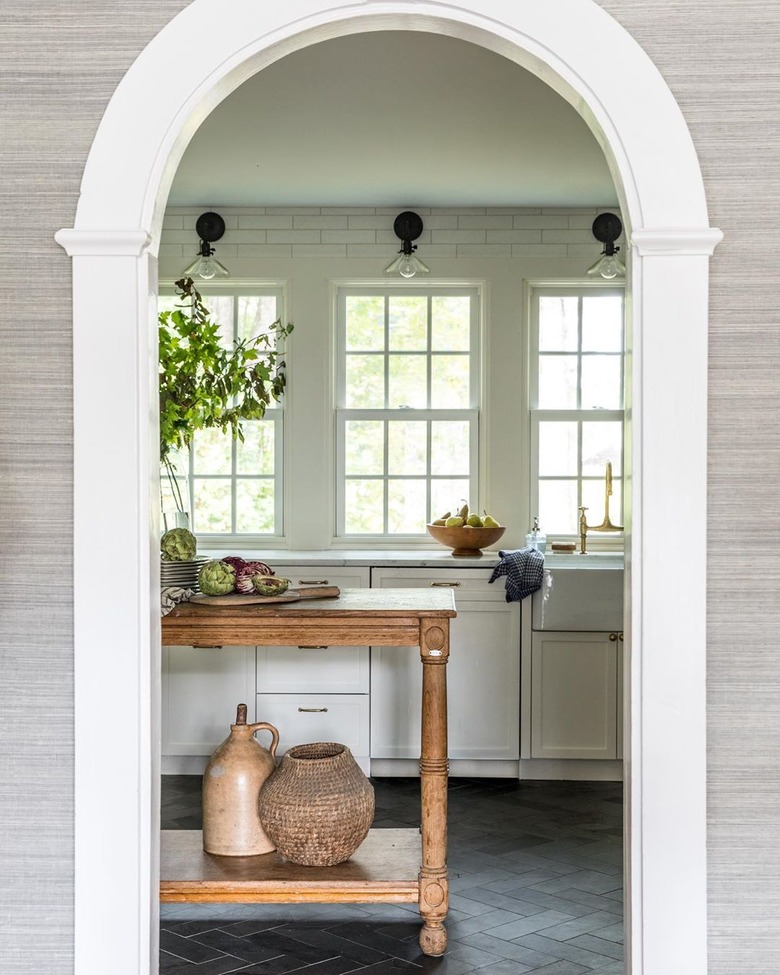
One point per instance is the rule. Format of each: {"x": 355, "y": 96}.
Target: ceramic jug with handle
{"x": 231, "y": 784}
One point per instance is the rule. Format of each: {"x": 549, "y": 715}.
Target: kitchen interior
{"x": 309, "y": 163}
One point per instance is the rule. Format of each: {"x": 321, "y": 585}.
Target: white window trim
{"x": 535, "y": 415}
{"x": 474, "y": 414}
{"x": 279, "y": 414}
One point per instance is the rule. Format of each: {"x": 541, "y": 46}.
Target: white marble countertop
{"x": 423, "y": 558}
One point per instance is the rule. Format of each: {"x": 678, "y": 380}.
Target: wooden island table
{"x": 391, "y": 865}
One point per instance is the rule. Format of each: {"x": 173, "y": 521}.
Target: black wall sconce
{"x": 209, "y": 227}
{"x": 606, "y": 229}
{"x": 407, "y": 226}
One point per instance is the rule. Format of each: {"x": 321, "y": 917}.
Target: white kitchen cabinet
{"x": 574, "y": 694}
{"x": 302, "y": 718}
{"x": 316, "y": 693}
{"x": 483, "y": 673}
{"x": 201, "y": 688}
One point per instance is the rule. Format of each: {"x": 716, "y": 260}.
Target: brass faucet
{"x": 606, "y": 525}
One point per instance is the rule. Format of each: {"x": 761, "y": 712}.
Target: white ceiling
{"x": 393, "y": 118}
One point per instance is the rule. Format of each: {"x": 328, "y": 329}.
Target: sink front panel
{"x": 579, "y": 598}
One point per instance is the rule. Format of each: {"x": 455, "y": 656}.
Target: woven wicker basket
{"x": 318, "y": 805}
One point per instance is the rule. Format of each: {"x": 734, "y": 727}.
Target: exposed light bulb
{"x": 406, "y": 268}
{"x": 206, "y": 266}
{"x": 407, "y": 265}
{"x": 608, "y": 266}
{"x": 206, "y": 269}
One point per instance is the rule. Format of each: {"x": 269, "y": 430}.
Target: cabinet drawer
{"x": 302, "y": 718}
{"x": 312, "y": 670}
{"x": 472, "y": 583}
{"x": 343, "y": 576}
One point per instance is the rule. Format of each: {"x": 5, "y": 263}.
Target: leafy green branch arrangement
{"x": 203, "y": 383}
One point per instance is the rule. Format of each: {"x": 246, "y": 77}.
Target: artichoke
{"x": 269, "y": 585}
{"x": 178, "y": 545}
{"x": 217, "y": 578}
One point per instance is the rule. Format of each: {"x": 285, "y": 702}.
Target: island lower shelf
{"x": 384, "y": 869}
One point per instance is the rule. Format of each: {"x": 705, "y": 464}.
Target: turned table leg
{"x": 434, "y": 888}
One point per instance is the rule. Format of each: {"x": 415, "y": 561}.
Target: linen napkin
{"x": 524, "y": 570}
{"x": 171, "y": 596}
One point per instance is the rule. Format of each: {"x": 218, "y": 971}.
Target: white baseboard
{"x": 575, "y": 770}
{"x": 184, "y": 764}
{"x": 572, "y": 769}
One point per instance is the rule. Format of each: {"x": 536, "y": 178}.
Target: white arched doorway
{"x": 206, "y": 52}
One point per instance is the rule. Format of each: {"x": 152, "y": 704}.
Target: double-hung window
{"x": 407, "y": 407}
{"x": 235, "y": 487}
{"x": 577, "y": 357}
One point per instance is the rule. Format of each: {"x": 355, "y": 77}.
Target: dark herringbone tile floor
{"x": 536, "y": 886}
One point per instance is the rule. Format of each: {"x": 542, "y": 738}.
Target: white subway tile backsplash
{"x": 265, "y": 221}
{"x": 180, "y": 237}
{"x": 458, "y": 236}
{"x": 389, "y": 238}
{"x": 484, "y": 221}
{"x": 171, "y": 250}
{"x": 513, "y": 210}
{"x": 319, "y": 222}
{"x": 369, "y": 221}
{"x": 367, "y": 232}
{"x": 569, "y": 236}
{"x": 293, "y": 236}
{"x": 348, "y": 237}
{"x": 266, "y": 250}
{"x": 394, "y": 211}
{"x": 441, "y": 221}
{"x": 586, "y": 251}
{"x": 457, "y": 210}
{"x": 579, "y": 221}
{"x": 484, "y": 250}
{"x": 294, "y": 211}
{"x": 376, "y": 251}
{"x": 254, "y": 236}
{"x": 514, "y": 236}
{"x": 319, "y": 250}
{"x": 525, "y": 221}
{"x": 539, "y": 250}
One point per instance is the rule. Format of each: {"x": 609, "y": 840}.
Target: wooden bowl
{"x": 466, "y": 541}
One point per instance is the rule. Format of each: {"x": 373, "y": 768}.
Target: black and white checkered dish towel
{"x": 524, "y": 569}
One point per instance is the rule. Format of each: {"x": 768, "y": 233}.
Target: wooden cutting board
{"x": 251, "y": 599}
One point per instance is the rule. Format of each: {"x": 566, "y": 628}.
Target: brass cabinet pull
{"x": 620, "y": 636}
{"x": 313, "y": 646}
{"x": 448, "y": 585}
{"x": 312, "y": 710}
{"x": 613, "y": 637}
{"x": 207, "y": 646}
{"x": 312, "y": 582}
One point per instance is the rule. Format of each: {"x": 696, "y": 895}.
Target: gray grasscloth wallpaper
{"x": 59, "y": 64}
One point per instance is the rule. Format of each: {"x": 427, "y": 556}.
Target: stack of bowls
{"x": 182, "y": 574}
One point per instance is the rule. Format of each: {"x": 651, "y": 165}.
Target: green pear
{"x": 490, "y": 522}
{"x": 455, "y": 522}
{"x": 474, "y": 521}
{"x": 464, "y": 513}
{"x": 441, "y": 522}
